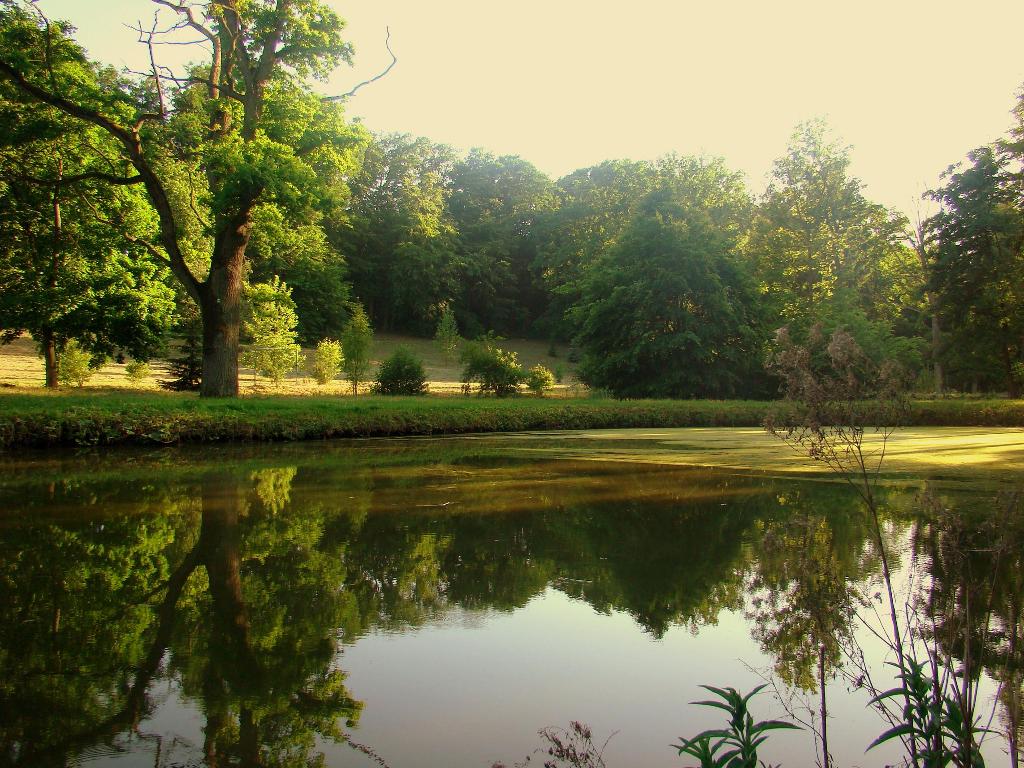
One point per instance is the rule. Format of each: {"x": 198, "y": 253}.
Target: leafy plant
{"x": 326, "y": 362}
{"x": 401, "y": 374}
{"x": 356, "y": 341}
{"x": 740, "y": 740}
{"x": 270, "y": 323}
{"x": 446, "y": 337}
{"x": 187, "y": 369}
{"x": 933, "y": 720}
{"x": 137, "y": 371}
{"x": 495, "y": 370}
{"x": 75, "y": 365}
{"x": 539, "y": 380}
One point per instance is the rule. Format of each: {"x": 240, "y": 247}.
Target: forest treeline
{"x": 670, "y": 277}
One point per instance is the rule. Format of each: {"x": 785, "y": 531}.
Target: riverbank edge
{"x": 46, "y": 420}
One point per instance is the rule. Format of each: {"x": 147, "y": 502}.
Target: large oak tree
{"x": 208, "y": 145}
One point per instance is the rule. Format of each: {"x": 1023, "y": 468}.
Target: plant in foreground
{"x": 932, "y": 720}
{"x": 739, "y": 741}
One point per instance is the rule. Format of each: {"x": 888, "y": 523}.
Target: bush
{"x": 540, "y": 380}
{"x": 326, "y": 362}
{"x": 137, "y": 371}
{"x": 494, "y": 369}
{"x": 401, "y": 374}
{"x": 74, "y": 365}
{"x": 559, "y": 373}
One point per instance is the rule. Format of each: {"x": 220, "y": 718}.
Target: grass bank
{"x": 109, "y": 418}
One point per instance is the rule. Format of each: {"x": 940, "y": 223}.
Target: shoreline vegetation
{"x": 121, "y": 418}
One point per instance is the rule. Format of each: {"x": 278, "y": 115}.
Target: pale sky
{"x": 568, "y": 83}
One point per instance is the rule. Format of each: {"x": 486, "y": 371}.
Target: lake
{"x": 436, "y": 602}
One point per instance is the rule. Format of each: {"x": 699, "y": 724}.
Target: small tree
{"x": 326, "y": 362}
{"x": 495, "y": 370}
{"x": 446, "y": 337}
{"x": 540, "y": 380}
{"x": 401, "y": 374}
{"x": 74, "y": 365}
{"x": 270, "y": 324}
{"x": 137, "y": 371}
{"x": 187, "y": 369}
{"x": 356, "y": 342}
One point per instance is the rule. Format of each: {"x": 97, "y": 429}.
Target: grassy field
{"x": 113, "y": 410}
{"x": 107, "y": 417}
{"x": 22, "y": 367}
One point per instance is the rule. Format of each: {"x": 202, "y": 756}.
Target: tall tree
{"x": 595, "y": 205}
{"x": 825, "y": 253}
{"x": 978, "y": 267}
{"x": 244, "y": 124}
{"x": 496, "y": 204}
{"x": 397, "y": 232}
{"x": 670, "y": 310}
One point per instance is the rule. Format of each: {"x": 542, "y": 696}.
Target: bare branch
{"x": 190, "y": 19}
{"x": 375, "y": 78}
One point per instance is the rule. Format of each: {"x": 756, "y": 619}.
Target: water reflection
{"x": 238, "y": 579}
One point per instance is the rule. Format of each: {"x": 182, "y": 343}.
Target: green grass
{"x": 116, "y": 417}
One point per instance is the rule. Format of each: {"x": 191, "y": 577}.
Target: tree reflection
{"x": 237, "y": 588}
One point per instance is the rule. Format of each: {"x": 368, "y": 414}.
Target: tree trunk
{"x": 939, "y": 374}
{"x": 49, "y": 345}
{"x": 221, "y": 307}
{"x": 220, "y": 348}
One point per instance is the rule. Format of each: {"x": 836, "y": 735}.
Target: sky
{"x": 911, "y": 85}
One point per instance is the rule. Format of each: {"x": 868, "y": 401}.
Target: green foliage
{"x": 494, "y": 370}
{"x": 978, "y": 268}
{"x": 670, "y": 310}
{"x": 75, "y": 366}
{"x": 137, "y": 371}
{"x": 186, "y": 369}
{"x": 401, "y": 374}
{"x": 446, "y": 336}
{"x": 740, "y": 740}
{"x": 326, "y": 362}
{"x": 933, "y": 721}
{"x": 356, "y": 343}
{"x": 35, "y": 420}
{"x": 539, "y": 380}
{"x": 397, "y": 234}
{"x": 248, "y": 132}
{"x": 294, "y": 247}
{"x": 269, "y": 323}
{"x": 497, "y": 205}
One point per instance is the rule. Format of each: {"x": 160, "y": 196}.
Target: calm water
{"x": 439, "y": 601}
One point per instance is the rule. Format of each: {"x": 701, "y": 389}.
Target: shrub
{"x": 495, "y": 370}
{"x": 74, "y": 365}
{"x": 137, "y": 371}
{"x": 401, "y": 374}
{"x": 326, "y": 362}
{"x": 540, "y": 380}
{"x": 559, "y": 373}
